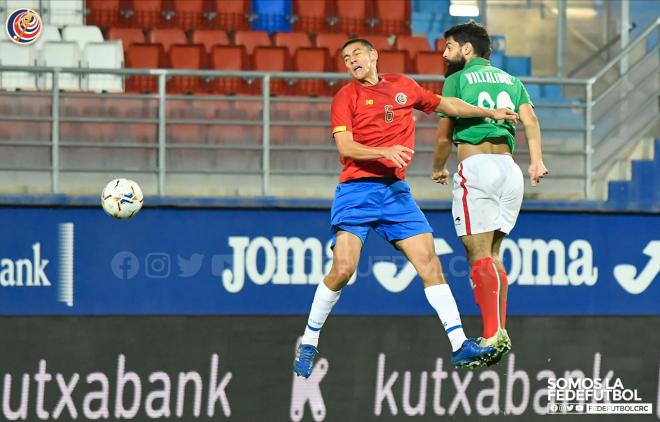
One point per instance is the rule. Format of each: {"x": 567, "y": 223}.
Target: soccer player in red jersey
{"x": 374, "y": 131}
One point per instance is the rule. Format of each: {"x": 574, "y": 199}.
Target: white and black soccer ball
{"x": 122, "y": 198}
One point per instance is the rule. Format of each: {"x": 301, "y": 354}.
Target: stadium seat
{"x": 146, "y": 13}
{"x": 351, "y": 16}
{"x": 412, "y": 45}
{"x": 128, "y": 36}
{"x": 12, "y": 54}
{"x": 186, "y": 56}
{"x": 144, "y": 56}
{"x": 392, "y": 17}
{"x": 331, "y": 41}
{"x": 431, "y": 63}
{"x": 251, "y": 40}
{"x": 311, "y": 59}
{"x": 64, "y": 12}
{"x": 518, "y": 65}
{"x": 392, "y": 62}
{"x": 49, "y": 33}
{"x": 292, "y": 40}
{"x": 271, "y": 15}
{"x": 60, "y": 54}
{"x": 167, "y": 37}
{"x": 228, "y": 57}
{"x": 380, "y": 42}
{"x": 209, "y": 37}
{"x": 273, "y": 59}
{"x": 82, "y": 35}
{"x": 311, "y": 16}
{"x": 102, "y": 13}
{"x": 440, "y": 44}
{"x": 103, "y": 55}
{"x": 231, "y": 15}
{"x": 188, "y": 14}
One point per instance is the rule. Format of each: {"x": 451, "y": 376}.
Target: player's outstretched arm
{"x": 348, "y": 148}
{"x": 536, "y": 168}
{"x": 452, "y": 106}
{"x": 443, "y": 141}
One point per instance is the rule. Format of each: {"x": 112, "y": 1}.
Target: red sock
{"x": 486, "y": 280}
{"x": 504, "y": 293}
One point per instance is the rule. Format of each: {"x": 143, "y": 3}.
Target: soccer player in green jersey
{"x": 488, "y": 187}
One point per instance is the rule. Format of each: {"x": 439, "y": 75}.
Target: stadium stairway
{"x": 642, "y": 191}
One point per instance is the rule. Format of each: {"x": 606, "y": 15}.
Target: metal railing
{"x": 591, "y": 94}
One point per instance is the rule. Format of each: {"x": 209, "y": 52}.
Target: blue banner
{"x": 169, "y": 261}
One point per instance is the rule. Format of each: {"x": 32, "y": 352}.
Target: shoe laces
{"x": 306, "y": 353}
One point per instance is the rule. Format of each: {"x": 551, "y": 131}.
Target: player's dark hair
{"x": 471, "y": 32}
{"x": 362, "y": 41}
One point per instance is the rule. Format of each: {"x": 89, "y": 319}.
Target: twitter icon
{"x": 189, "y": 267}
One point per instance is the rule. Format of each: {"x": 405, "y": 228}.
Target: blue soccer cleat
{"x": 471, "y": 355}
{"x": 304, "y": 361}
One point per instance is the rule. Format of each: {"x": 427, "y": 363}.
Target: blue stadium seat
{"x": 497, "y": 59}
{"x": 534, "y": 91}
{"x": 272, "y": 15}
{"x": 518, "y": 65}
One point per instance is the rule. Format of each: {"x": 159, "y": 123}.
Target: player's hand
{"x": 536, "y": 172}
{"x": 505, "y": 114}
{"x": 399, "y": 155}
{"x": 440, "y": 176}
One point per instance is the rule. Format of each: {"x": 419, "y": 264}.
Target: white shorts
{"x": 488, "y": 192}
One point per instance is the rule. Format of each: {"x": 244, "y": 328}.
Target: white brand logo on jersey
{"x": 401, "y": 98}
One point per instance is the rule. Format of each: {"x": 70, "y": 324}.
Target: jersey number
{"x": 389, "y": 114}
{"x": 503, "y": 101}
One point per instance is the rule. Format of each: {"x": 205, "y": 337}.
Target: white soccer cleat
{"x": 501, "y": 342}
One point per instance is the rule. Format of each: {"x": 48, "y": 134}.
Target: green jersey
{"x": 483, "y": 85}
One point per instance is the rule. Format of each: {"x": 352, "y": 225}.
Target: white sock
{"x": 324, "y": 300}
{"x": 442, "y": 300}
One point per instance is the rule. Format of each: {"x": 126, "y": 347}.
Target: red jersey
{"x": 379, "y": 116}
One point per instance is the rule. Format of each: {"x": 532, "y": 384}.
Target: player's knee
{"x": 340, "y": 275}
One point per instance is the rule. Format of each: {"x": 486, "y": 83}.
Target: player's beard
{"x": 454, "y": 66}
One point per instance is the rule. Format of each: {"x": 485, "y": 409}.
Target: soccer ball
{"x": 122, "y": 198}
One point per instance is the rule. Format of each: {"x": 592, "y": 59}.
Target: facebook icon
{"x": 125, "y": 265}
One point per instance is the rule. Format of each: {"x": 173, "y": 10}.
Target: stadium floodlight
{"x": 464, "y": 8}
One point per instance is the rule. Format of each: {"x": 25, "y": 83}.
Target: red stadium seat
{"x": 440, "y": 45}
{"x": 102, "y": 13}
{"x": 392, "y": 17}
{"x": 209, "y": 37}
{"x": 431, "y": 63}
{"x": 331, "y": 41}
{"x": 272, "y": 59}
{"x": 412, "y": 45}
{"x": 392, "y": 62}
{"x": 188, "y": 14}
{"x": 352, "y": 16}
{"x": 128, "y": 36}
{"x": 311, "y": 60}
{"x": 251, "y": 40}
{"x": 312, "y": 15}
{"x": 231, "y": 15}
{"x": 146, "y": 13}
{"x": 144, "y": 56}
{"x": 167, "y": 37}
{"x": 380, "y": 42}
{"x": 226, "y": 57}
{"x": 186, "y": 56}
{"x": 292, "y": 40}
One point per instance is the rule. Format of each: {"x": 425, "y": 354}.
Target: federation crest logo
{"x": 24, "y": 26}
{"x": 401, "y": 98}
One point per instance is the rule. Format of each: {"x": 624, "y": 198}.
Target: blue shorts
{"x": 384, "y": 205}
